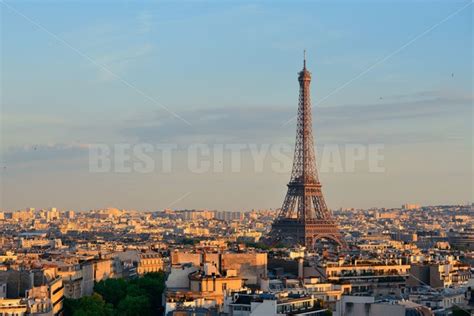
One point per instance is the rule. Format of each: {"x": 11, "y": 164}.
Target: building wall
{"x": 56, "y": 289}
{"x": 214, "y": 288}
{"x": 73, "y": 288}
{"x": 179, "y": 277}
{"x": 3, "y": 290}
{"x": 419, "y": 275}
{"x": 87, "y": 285}
{"x": 215, "y": 285}
{"x": 438, "y": 275}
{"x": 103, "y": 270}
{"x": 353, "y": 305}
{"x": 250, "y": 266}
{"x": 17, "y": 282}
{"x": 386, "y": 309}
{"x": 267, "y": 307}
{"x": 180, "y": 257}
{"x": 12, "y": 307}
{"x": 337, "y": 271}
{"x": 213, "y": 258}
{"x": 150, "y": 263}
{"x": 436, "y": 272}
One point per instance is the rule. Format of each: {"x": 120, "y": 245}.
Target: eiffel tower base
{"x": 293, "y": 232}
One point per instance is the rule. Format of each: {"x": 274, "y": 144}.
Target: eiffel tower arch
{"x": 304, "y": 217}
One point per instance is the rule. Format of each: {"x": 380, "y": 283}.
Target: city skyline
{"x": 406, "y": 90}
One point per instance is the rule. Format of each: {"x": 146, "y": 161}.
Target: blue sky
{"x": 397, "y": 73}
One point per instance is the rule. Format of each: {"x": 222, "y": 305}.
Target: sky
{"x": 391, "y": 92}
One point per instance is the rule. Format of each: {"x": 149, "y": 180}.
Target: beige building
{"x": 410, "y": 206}
{"x": 249, "y": 265}
{"x": 439, "y": 275}
{"x": 145, "y": 262}
{"x": 103, "y": 269}
{"x": 39, "y": 301}
{"x": 327, "y": 292}
{"x": 214, "y": 287}
{"x": 381, "y": 278}
{"x": 363, "y": 268}
{"x": 188, "y": 284}
{"x": 78, "y": 279}
{"x": 149, "y": 262}
{"x": 15, "y": 307}
{"x": 56, "y": 295}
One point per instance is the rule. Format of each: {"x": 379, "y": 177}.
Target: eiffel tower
{"x": 304, "y": 217}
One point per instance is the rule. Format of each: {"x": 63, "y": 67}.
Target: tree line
{"x": 119, "y": 297}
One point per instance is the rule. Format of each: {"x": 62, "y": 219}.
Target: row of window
{"x": 241, "y": 308}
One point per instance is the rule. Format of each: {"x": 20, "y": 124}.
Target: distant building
{"x": 52, "y": 214}
{"x": 410, "y": 207}
{"x": 197, "y": 214}
{"x": 144, "y": 262}
{"x": 463, "y": 240}
{"x": 439, "y": 302}
{"x": 404, "y": 236}
{"x": 70, "y": 214}
{"x": 149, "y": 262}
{"x": 229, "y": 216}
{"x": 38, "y": 240}
{"x": 439, "y": 275}
{"x": 23, "y": 216}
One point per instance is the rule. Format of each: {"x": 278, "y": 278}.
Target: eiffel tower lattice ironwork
{"x": 304, "y": 217}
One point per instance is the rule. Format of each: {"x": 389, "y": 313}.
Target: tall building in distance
{"x": 304, "y": 217}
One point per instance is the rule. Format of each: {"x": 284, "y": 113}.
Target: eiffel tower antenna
{"x": 304, "y": 59}
{"x": 304, "y": 217}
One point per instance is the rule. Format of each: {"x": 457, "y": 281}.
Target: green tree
{"x": 134, "y": 290}
{"x": 460, "y": 312}
{"x": 112, "y": 290}
{"x": 258, "y": 245}
{"x": 153, "y": 285}
{"x": 88, "y": 306}
{"x": 140, "y": 297}
{"x": 134, "y": 306}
